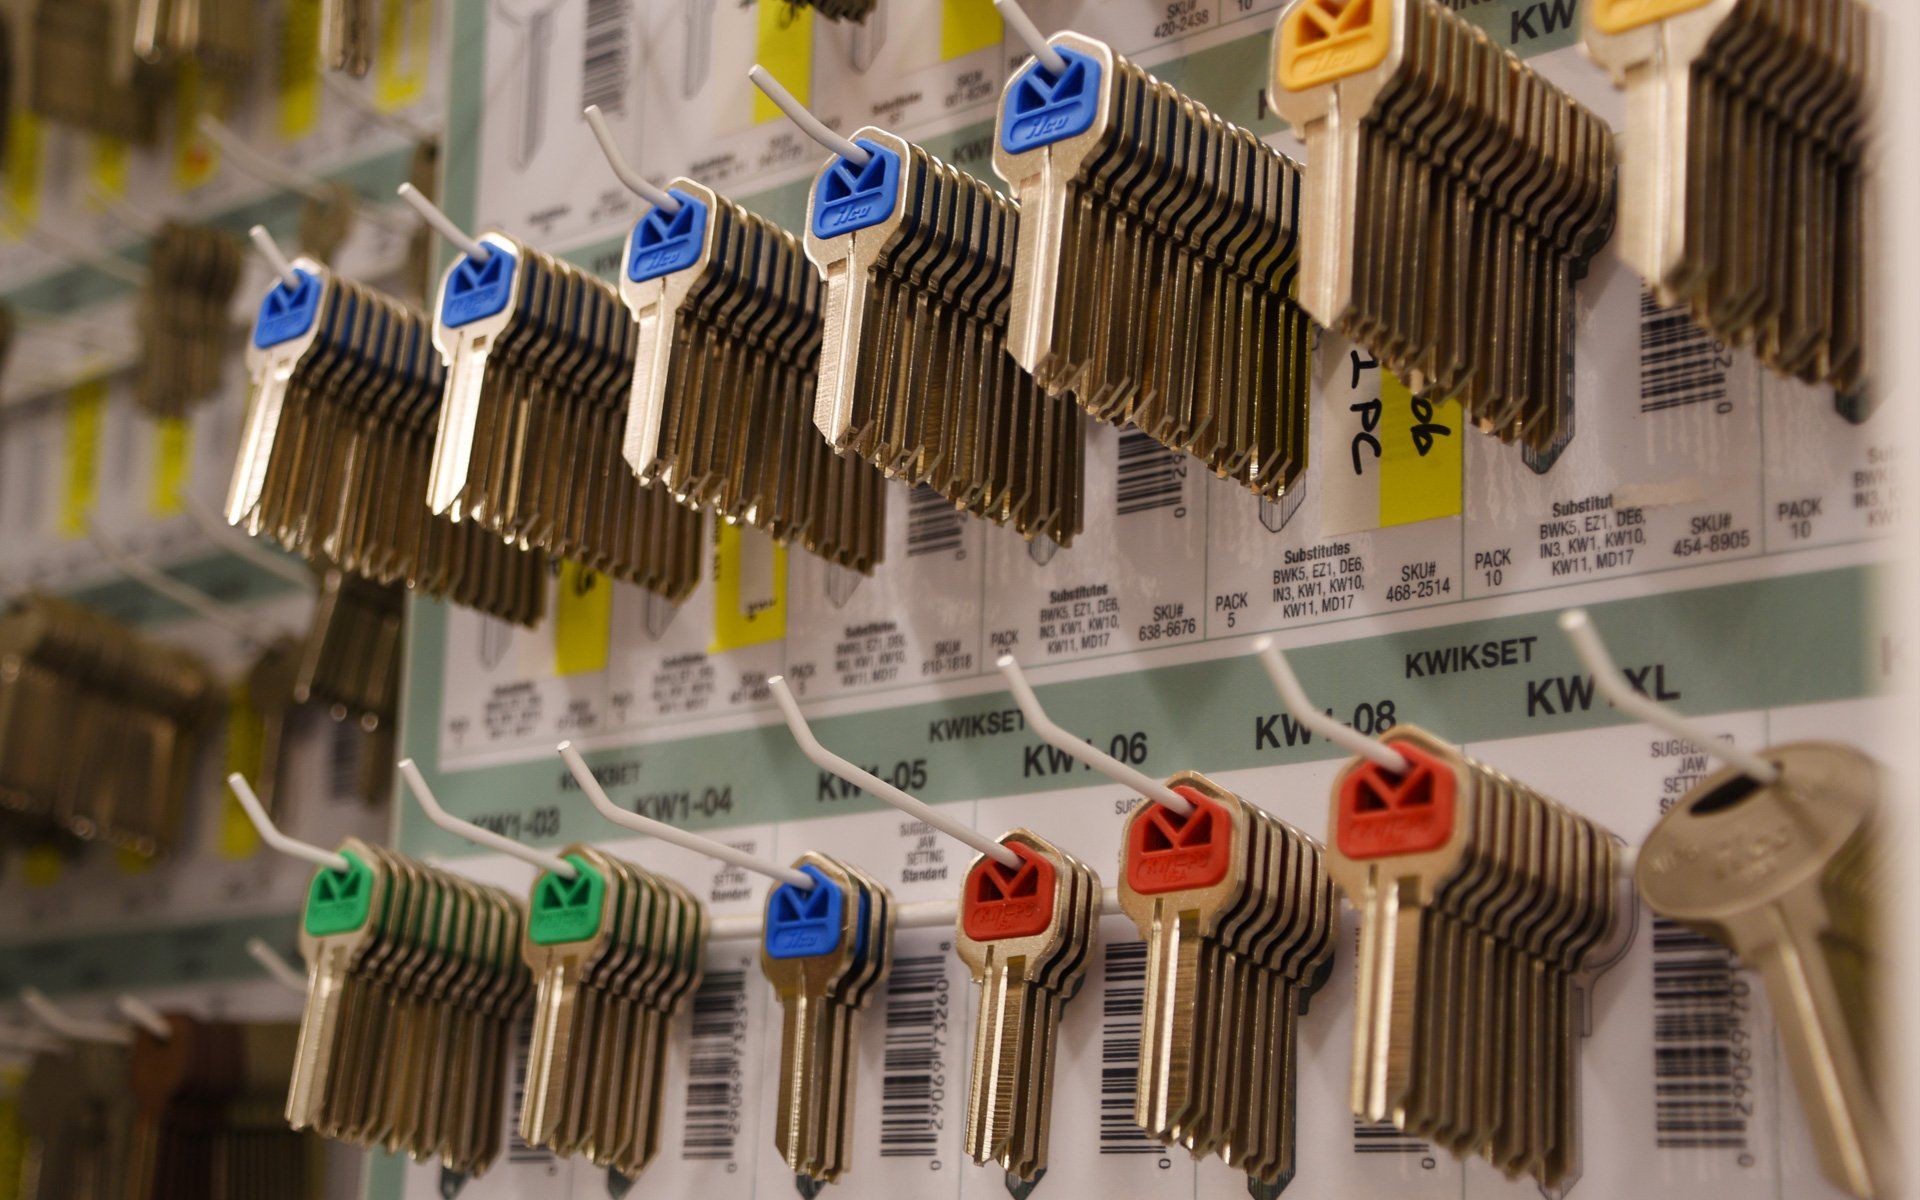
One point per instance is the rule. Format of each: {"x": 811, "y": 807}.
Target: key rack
{"x": 1641, "y": 583}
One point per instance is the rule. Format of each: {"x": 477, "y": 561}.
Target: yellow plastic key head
{"x": 1325, "y": 40}
{"x": 1618, "y": 16}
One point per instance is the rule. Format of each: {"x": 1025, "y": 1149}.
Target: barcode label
{"x": 1384, "y": 1137}
{"x": 913, "y": 1080}
{"x": 1123, "y": 975}
{"x": 1680, "y": 363}
{"x": 1150, "y": 475}
{"x": 933, "y": 523}
{"x": 604, "y": 63}
{"x": 1702, "y": 1048}
{"x": 519, "y": 1151}
{"x": 714, "y": 1067}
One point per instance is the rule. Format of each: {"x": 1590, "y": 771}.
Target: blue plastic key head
{"x": 664, "y": 242}
{"x": 1044, "y": 108}
{"x": 288, "y": 312}
{"x": 850, "y": 196}
{"x": 805, "y": 922}
{"x": 478, "y": 289}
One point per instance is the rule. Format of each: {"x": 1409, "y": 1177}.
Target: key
{"x": 1786, "y": 874}
{"x": 1025, "y": 936}
{"x": 1763, "y": 255}
{"x": 1486, "y": 908}
{"x": 269, "y": 689}
{"x": 192, "y": 272}
{"x": 1155, "y": 262}
{"x": 81, "y": 70}
{"x": 346, "y": 36}
{"x": 1409, "y": 111}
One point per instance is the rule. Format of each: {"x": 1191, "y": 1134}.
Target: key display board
{"x": 1726, "y": 528}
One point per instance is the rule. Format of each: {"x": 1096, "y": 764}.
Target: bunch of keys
{"x": 539, "y": 359}
{"x": 335, "y": 452}
{"x": 914, "y": 378}
{"x": 346, "y": 35}
{"x": 721, "y": 412}
{"x": 826, "y": 949}
{"x": 615, "y": 951}
{"x": 1240, "y": 920}
{"x": 1787, "y": 873}
{"x": 1026, "y": 936}
{"x": 192, "y": 271}
{"x": 77, "y": 1113}
{"x": 1454, "y": 197}
{"x": 1743, "y": 180}
{"x": 414, "y": 985}
{"x": 100, "y": 729}
{"x": 1486, "y": 909}
{"x": 81, "y": 70}
{"x": 1156, "y": 263}
{"x": 217, "y": 34}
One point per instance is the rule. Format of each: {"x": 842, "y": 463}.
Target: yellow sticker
{"x": 127, "y": 862}
{"x": 749, "y": 589}
{"x": 108, "y": 170}
{"x": 1420, "y": 455}
{"x": 785, "y": 49}
{"x": 968, "y": 25}
{"x": 297, "y": 75}
{"x": 582, "y": 621}
{"x": 86, "y": 409}
{"x": 172, "y": 458}
{"x": 195, "y": 158}
{"x": 246, "y": 754}
{"x": 42, "y": 866}
{"x": 401, "y": 55}
{"x": 23, "y": 169}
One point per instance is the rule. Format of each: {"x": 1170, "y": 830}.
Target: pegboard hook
{"x": 276, "y": 258}
{"x": 424, "y": 797}
{"x": 1295, "y": 698}
{"x": 68, "y": 1026}
{"x": 443, "y": 225}
{"x": 270, "y": 833}
{"x": 1106, "y": 764}
{"x": 277, "y": 968}
{"x": 623, "y": 170}
{"x": 162, "y": 584}
{"x": 878, "y": 787}
{"x": 1578, "y": 627}
{"x": 145, "y": 1015}
{"x": 1029, "y": 33}
{"x": 809, "y": 124}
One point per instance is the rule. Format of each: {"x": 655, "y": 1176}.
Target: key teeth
{"x": 808, "y": 1186}
{"x": 1019, "y": 1188}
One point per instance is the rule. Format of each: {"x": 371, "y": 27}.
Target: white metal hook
{"x": 1024, "y": 29}
{"x": 278, "y": 969}
{"x": 1295, "y": 698}
{"x": 162, "y": 584}
{"x": 257, "y": 164}
{"x": 276, "y": 258}
{"x": 604, "y": 805}
{"x": 636, "y": 183}
{"x": 1106, "y": 764}
{"x": 809, "y": 124}
{"x": 878, "y": 787}
{"x": 133, "y": 218}
{"x": 145, "y": 1015}
{"x": 237, "y": 543}
{"x": 67, "y": 1025}
{"x": 1607, "y": 677}
{"x": 443, "y": 225}
{"x": 338, "y": 85}
{"x": 423, "y": 795}
{"x": 270, "y": 833}
{"x": 92, "y": 257}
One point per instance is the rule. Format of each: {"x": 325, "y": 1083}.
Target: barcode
{"x": 343, "y": 761}
{"x": 1384, "y": 1137}
{"x": 1680, "y": 363}
{"x": 1702, "y": 1052}
{"x": 519, "y": 1151}
{"x": 603, "y": 68}
{"x": 1150, "y": 475}
{"x": 933, "y": 523}
{"x": 714, "y": 1067}
{"x": 1123, "y": 974}
{"x": 913, "y": 1080}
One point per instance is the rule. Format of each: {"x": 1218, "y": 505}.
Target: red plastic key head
{"x": 1383, "y": 814}
{"x": 1167, "y": 852}
{"x": 1002, "y": 902}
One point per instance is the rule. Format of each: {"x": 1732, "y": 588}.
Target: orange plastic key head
{"x": 1008, "y": 902}
{"x": 1167, "y": 852}
{"x": 1325, "y": 40}
{"x": 1383, "y": 814}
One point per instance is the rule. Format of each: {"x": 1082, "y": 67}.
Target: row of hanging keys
{"x": 81, "y": 69}
{"x": 185, "y": 336}
{"x": 217, "y": 34}
{"x": 345, "y": 398}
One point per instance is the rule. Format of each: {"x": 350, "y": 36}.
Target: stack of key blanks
{"x": 1026, "y": 935}
{"x": 350, "y": 661}
{"x": 1743, "y": 178}
{"x": 614, "y": 952}
{"x": 1485, "y": 907}
{"x": 825, "y": 949}
{"x": 539, "y": 359}
{"x": 76, "y": 1117}
{"x": 1790, "y": 875}
{"x": 414, "y": 985}
{"x": 337, "y": 446}
{"x": 1240, "y": 919}
{"x": 1158, "y": 249}
{"x": 914, "y": 378}
{"x": 1453, "y": 199}
{"x": 100, "y": 728}
{"x": 185, "y": 335}
{"x": 721, "y": 414}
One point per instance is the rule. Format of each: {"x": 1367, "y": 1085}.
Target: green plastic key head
{"x": 567, "y": 910}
